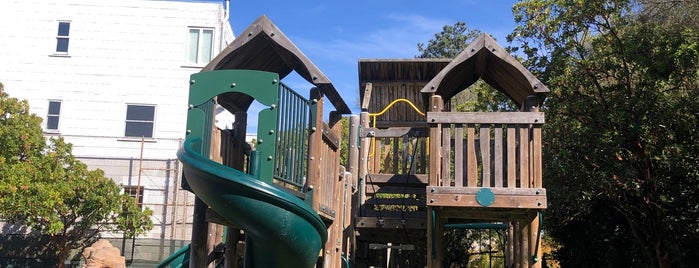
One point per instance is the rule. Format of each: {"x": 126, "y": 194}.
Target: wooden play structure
{"x": 414, "y": 166}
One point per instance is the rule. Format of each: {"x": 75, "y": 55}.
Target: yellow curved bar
{"x": 385, "y": 109}
{"x": 394, "y": 102}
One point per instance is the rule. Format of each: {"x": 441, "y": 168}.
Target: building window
{"x": 62, "y": 37}
{"x": 139, "y": 120}
{"x": 53, "y": 115}
{"x": 135, "y": 192}
{"x": 200, "y": 45}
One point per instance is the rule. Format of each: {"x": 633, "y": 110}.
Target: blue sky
{"x": 336, "y": 34}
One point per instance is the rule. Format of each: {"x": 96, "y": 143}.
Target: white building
{"x": 111, "y": 77}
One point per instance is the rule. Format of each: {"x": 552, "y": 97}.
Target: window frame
{"x": 134, "y": 191}
{"x": 57, "y": 116}
{"x": 127, "y": 120}
{"x": 62, "y": 37}
{"x": 199, "y": 45}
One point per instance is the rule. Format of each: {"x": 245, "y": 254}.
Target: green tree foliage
{"x": 44, "y": 187}
{"x": 621, "y": 150}
{"x": 448, "y": 43}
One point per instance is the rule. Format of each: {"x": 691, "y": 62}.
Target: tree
{"x": 621, "y": 150}
{"x": 44, "y": 187}
{"x": 480, "y": 96}
{"x": 449, "y": 42}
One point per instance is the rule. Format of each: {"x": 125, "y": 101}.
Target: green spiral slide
{"x": 282, "y": 230}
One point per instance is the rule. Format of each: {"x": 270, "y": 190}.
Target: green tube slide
{"x": 282, "y": 230}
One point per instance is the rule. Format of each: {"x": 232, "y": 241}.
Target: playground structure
{"x": 414, "y": 167}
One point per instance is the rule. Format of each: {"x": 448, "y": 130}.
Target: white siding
{"x": 120, "y": 52}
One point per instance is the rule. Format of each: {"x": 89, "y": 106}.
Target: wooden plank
{"x": 372, "y": 189}
{"x": 423, "y": 157}
{"x": 511, "y": 156}
{"x": 391, "y": 223}
{"x": 469, "y": 200}
{"x": 498, "y": 167}
{"x": 406, "y": 154}
{"x": 396, "y": 201}
{"x": 332, "y": 139}
{"x": 488, "y": 214}
{"x": 485, "y": 154}
{"x": 365, "y": 145}
{"x": 435, "y": 142}
{"x": 315, "y": 144}
{"x": 525, "y": 258}
{"x": 524, "y": 156}
{"x": 410, "y": 161}
{"x": 394, "y": 163}
{"x": 367, "y": 96}
{"x": 409, "y": 179}
{"x": 496, "y": 191}
{"x": 353, "y": 148}
{"x": 510, "y": 249}
{"x": 459, "y": 155}
{"x": 472, "y": 165}
{"x": 395, "y": 214}
{"x": 446, "y": 155}
{"x": 518, "y": 245}
{"x": 394, "y": 132}
{"x": 485, "y": 117}
{"x": 521, "y": 198}
{"x": 537, "y": 156}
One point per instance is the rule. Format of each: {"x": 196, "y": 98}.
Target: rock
{"x": 103, "y": 255}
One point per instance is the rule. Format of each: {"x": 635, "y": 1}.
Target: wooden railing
{"x": 497, "y": 151}
{"x": 489, "y": 149}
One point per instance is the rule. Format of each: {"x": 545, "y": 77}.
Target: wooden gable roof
{"x": 486, "y": 59}
{"x": 264, "y": 47}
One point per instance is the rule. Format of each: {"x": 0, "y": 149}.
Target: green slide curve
{"x": 284, "y": 230}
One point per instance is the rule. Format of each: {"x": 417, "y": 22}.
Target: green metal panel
{"x": 262, "y": 86}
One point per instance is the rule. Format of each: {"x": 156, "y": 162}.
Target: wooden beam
{"x": 394, "y": 189}
{"x": 485, "y": 117}
{"x": 396, "y": 201}
{"x": 489, "y": 214}
{"x": 395, "y": 214}
{"x": 391, "y": 223}
{"x": 394, "y": 132}
{"x": 367, "y": 97}
{"x": 332, "y": 139}
{"x": 419, "y": 179}
{"x": 521, "y": 198}
{"x": 436, "y": 105}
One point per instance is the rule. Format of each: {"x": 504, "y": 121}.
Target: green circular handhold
{"x": 485, "y": 197}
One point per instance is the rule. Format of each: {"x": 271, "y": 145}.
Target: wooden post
{"x": 353, "y": 148}
{"x": 353, "y": 163}
{"x": 436, "y": 105}
{"x": 315, "y": 143}
{"x": 363, "y": 160}
{"x": 335, "y": 123}
{"x": 510, "y": 247}
{"x": 197, "y": 250}
{"x": 435, "y": 238}
{"x": 231, "y": 252}
{"x": 524, "y": 256}
{"x": 534, "y": 247}
{"x": 236, "y": 160}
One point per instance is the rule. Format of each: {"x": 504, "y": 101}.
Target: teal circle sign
{"x": 485, "y": 197}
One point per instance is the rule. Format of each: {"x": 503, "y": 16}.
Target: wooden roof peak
{"x": 485, "y": 59}
{"x": 264, "y": 47}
